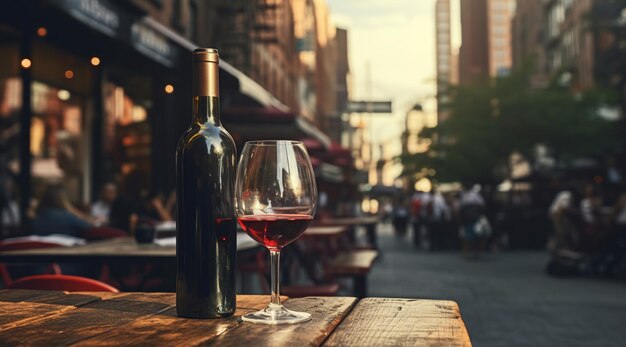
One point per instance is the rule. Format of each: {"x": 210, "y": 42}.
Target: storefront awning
{"x": 267, "y": 123}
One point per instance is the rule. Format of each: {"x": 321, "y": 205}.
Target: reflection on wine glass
{"x": 276, "y": 197}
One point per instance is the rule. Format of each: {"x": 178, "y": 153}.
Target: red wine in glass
{"x": 275, "y": 200}
{"x": 275, "y": 231}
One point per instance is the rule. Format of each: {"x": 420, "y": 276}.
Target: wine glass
{"x": 275, "y": 198}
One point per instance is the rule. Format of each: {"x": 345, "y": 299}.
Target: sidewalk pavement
{"x": 506, "y": 299}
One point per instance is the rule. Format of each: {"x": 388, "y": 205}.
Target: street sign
{"x": 369, "y": 106}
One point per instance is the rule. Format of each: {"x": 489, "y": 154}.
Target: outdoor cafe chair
{"x": 62, "y": 282}
{"x": 5, "y": 273}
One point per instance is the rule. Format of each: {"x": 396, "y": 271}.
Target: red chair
{"x": 103, "y": 233}
{"x": 62, "y": 282}
{"x": 24, "y": 245}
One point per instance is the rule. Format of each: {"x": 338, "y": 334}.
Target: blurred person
{"x": 559, "y": 212}
{"x": 590, "y": 207}
{"x": 437, "y": 214}
{"x": 416, "y": 217}
{"x": 387, "y": 211}
{"x": 135, "y": 201}
{"x": 471, "y": 206}
{"x": 9, "y": 208}
{"x": 153, "y": 207}
{"x": 400, "y": 217}
{"x": 101, "y": 209}
{"x": 56, "y": 215}
{"x": 615, "y": 247}
{"x": 450, "y": 229}
{"x": 619, "y": 217}
{"x": 170, "y": 204}
{"x": 124, "y": 209}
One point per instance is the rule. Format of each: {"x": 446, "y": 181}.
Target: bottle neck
{"x": 206, "y": 110}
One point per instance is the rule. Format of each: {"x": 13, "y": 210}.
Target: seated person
{"x": 56, "y": 215}
{"x": 101, "y": 209}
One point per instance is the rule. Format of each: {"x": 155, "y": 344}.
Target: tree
{"x": 490, "y": 122}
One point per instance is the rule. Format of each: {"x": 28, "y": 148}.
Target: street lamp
{"x": 407, "y": 132}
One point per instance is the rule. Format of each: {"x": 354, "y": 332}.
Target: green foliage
{"x": 488, "y": 123}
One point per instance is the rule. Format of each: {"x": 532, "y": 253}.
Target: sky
{"x": 396, "y": 38}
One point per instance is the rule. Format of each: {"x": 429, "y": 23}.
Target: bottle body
{"x": 206, "y": 243}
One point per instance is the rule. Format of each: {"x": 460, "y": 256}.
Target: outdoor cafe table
{"x": 51, "y": 318}
{"x": 122, "y": 249}
{"x": 369, "y": 222}
{"x": 126, "y": 249}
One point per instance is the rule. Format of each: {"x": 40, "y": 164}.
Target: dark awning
{"x": 268, "y": 123}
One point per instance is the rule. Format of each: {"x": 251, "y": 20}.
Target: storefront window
{"x": 60, "y": 131}
{"x": 10, "y": 107}
{"x": 57, "y": 139}
{"x": 128, "y": 134}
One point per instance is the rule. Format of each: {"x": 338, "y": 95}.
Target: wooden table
{"x": 369, "y": 222}
{"x": 324, "y": 231}
{"x": 40, "y": 318}
{"x": 123, "y": 249}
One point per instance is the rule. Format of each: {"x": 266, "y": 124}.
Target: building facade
{"x": 258, "y": 38}
{"x": 93, "y": 91}
{"x": 569, "y": 41}
{"x": 473, "y": 54}
{"x": 486, "y": 32}
{"x": 499, "y": 19}
{"x": 576, "y": 43}
{"x": 86, "y": 85}
{"x": 443, "y": 52}
{"x": 528, "y": 38}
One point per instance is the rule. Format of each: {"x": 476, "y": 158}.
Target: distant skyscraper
{"x": 473, "y": 54}
{"x": 486, "y": 39}
{"x": 499, "y": 15}
{"x": 443, "y": 54}
{"x": 527, "y": 38}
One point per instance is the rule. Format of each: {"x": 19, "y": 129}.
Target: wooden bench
{"x": 356, "y": 264}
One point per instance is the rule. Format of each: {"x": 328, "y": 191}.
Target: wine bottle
{"x": 206, "y": 244}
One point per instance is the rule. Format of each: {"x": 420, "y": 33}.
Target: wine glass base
{"x": 276, "y": 314}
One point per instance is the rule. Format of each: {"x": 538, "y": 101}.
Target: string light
{"x": 69, "y": 74}
{"x": 95, "y": 61}
{"x": 169, "y": 89}
{"x": 41, "y": 31}
{"x": 26, "y": 63}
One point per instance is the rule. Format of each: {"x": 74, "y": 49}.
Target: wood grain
{"x": 68, "y": 325}
{"x": 40, "y": 318}
{"x": 166, "y": 328}
{"x": 326, "y": 312}
{"x": 401, "y": 322}
{"x": 40, "y": 305}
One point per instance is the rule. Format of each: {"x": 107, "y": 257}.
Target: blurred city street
{"x": 506, "y": 299}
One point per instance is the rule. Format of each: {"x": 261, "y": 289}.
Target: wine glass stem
{"x": 275, "y": 273}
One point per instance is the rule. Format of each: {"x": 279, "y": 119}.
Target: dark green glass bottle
{"x": 206, "y": 244}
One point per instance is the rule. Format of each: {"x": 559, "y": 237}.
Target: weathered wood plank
{"x": 17, "y": 295}
{"x": 166, "y": 328}
{"x": 327, "y": 313}
{"x": 70, "y": 325}
{"x": 401, "y": 322}
{"x": 40, "y": 305}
